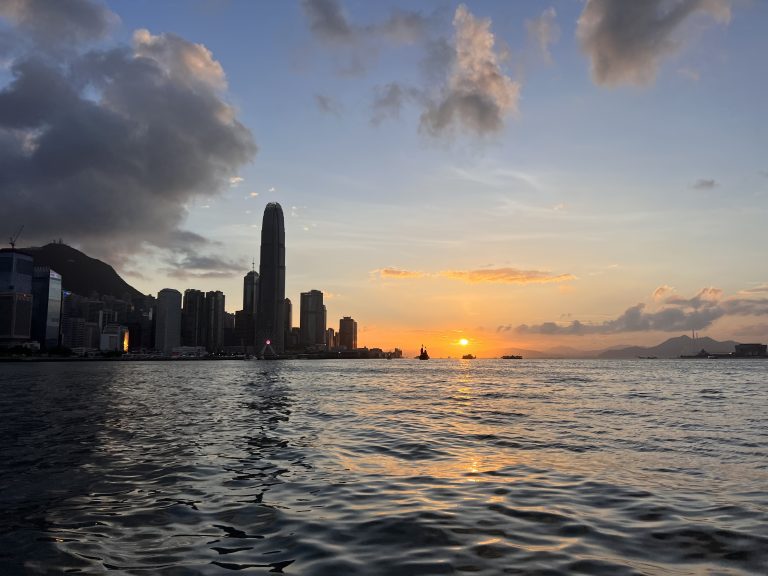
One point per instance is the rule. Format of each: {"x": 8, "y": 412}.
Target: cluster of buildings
{"x": 36, "y": 313}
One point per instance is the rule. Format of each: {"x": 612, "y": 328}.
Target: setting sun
{"x": 463, "y": 341}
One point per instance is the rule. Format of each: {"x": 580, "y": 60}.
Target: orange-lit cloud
{"x": 399, "y": 273}
{"x": 506, "y": 276}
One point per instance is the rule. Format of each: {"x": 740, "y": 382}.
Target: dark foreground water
{"x": 385, "y": 467}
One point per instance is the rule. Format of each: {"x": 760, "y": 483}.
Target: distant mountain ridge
{"x": 80, "y": 273}
{"x": 670, "y": 348}
{"x": 673, "y": 348}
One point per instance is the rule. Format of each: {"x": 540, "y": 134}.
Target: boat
{"x": 423, "y": 354}
{"x": 511, "y": 357}
{"x": 468, "y": 357}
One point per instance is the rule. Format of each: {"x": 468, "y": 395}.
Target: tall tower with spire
{"x": 271, "y": 302}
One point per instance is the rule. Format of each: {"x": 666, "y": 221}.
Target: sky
{"x": 523, "y": 175}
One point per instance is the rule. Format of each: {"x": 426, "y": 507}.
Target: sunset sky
{"x": 520, "y": 174}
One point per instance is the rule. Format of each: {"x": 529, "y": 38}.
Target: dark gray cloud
{"x": 389, "y": 100}
{"x": 193, "y": 265}
{"x": 327, "y": 105}
{"x": 626, "y": 41}
{"x": 678, "y": 314}
{"x": 329, "y": 23}
{"x": 59, "y": 22}
{"x": 477, "y": 95}
{"x": 107, "y": 148}
{"x": 704, "y": 184}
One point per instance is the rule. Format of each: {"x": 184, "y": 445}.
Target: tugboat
{"x": 423, "y": 354}
{"x": 468, "y": 357}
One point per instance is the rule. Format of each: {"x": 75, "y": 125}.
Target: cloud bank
{"x": 626, "y": 41}
{"x": 109, "y": 148}
{"x": 676, "y": 314}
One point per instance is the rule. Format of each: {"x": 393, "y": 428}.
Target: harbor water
{"x": 381, "y": 467}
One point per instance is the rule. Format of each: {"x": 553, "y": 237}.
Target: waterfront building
{"x": 251, "y": 292}
{"x": 287, "y": 322}
{"x": 347, "y": 333}
{"x": 73, "y": 332}
{"x": 114, "y": 338}
{"x": 214, "y": 321}
{"x": 46, "y": 307}
{"x": 270, "y": 314}
{"x": 312, "y": 319}
{"x": 193, "y": 316}
{"x": 168, "y": 320}
{"x": 330, "y": 339}
{"x": 15, "y": 297}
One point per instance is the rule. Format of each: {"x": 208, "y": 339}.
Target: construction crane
{"x": 15, "y": 237}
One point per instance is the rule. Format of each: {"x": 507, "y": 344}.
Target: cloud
{"x": 107, "y": 148}
{"x": 62, "y": 23}
{"x": 389, "y": 100}
{"x": 478, "y": 95}
{"x": 193, "y": 265}
{"x": 544, "y": 31}
{"x": 662, "y": 292}
{"x": 235, "y": 181}
{"x": 327, "y": 105}
{"x": 626, "y": 41}
{"x": 704, "y": 184}
{"x": 398, "y": 273}
{"x": 677, "y": 315}
{"x": 329, "y": 23}
{"x": 690, "y": 73}
{"x": 506, "y": 276}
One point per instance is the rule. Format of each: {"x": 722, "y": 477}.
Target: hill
{"x": 672, "y": 348}
{"x": 82, "y": 274}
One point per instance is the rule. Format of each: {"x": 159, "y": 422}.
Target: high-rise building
{"x": 270, "y": 310}
{"x": 312, "y": 319}
{"x": 330, "y": 339}
{"x": 168, "y": 320}
{"x": 348, "y": 333}
{"x": 193, "y": 327}
{"x": 287, "y": 322}
{"x": 46, "y": 307}
{"x": 15, "y": 297}
{"x": 214, "y": 321}
{"x": 251, "y": 292}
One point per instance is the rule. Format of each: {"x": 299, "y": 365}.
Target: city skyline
{"x": 604, "y": 184}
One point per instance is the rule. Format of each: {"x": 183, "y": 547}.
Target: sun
{"x": 463, "y": 341}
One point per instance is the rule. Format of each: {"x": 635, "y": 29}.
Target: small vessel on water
{"x": 423, "y": 354}
{"x": 511, "y": 357}
{"x": 468, "y": 357}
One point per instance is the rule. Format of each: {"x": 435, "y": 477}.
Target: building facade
{"x": 312, "y": 319}
{"x": 270, "y": 314}
{"x": 214, "y": 321}
{"x": 347, "y": 333}
{"x": 46, "y": 307}
{"x": 193, "y": 317}
{"x": 16, "y": 271}
{"x": 168, "y": 320}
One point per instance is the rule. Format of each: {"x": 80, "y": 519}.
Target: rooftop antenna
{"x": 12, "y": 240}
{"x": 253, "y": 265}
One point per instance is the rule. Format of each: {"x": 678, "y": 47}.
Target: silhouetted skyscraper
{"x": 251, "y": 292}
{"x": 312, "y": 319}
{"x": 168, "y": 320}
{"x": 193, "y": 331}
{"x": 287, "y": 321}
{"x": 214, "y": 321}
{"x": 270, "y": 310}
{"x": 348, "y": 333}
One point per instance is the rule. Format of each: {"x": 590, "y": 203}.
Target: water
{"x": 377, "y": 467}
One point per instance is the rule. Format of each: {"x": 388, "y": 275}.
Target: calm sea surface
{"x": 385, "y": 467}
